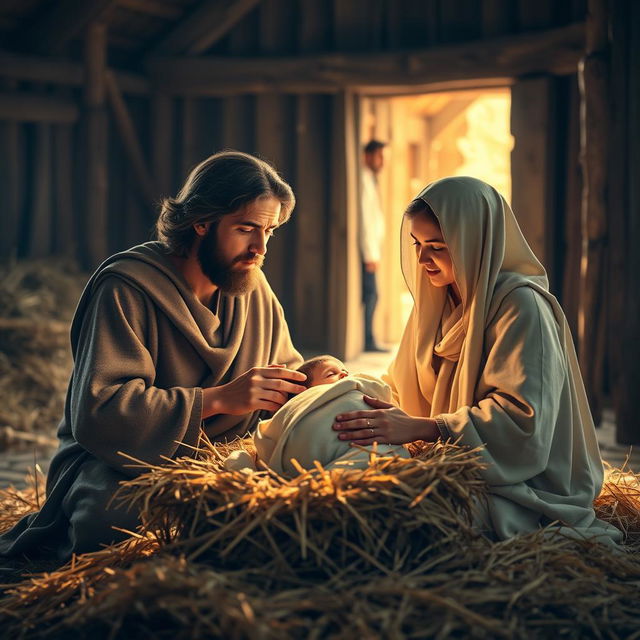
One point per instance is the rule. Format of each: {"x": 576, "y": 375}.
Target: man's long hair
{"x": 219, "y": 185}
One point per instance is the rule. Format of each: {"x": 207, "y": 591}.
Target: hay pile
{"x": 37, "y": 301}
{"x": 384, "y": 552}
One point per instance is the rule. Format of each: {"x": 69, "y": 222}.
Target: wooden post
{"x": 594, "y": 136}
{"x": 624, "y": 203}
{"x": 162, "y": 141}
{"x": 11, "y": 187}
{"x": 531, "y": 126}
{"x": 132, "y": 146}
{"x": 311, "y": 310}
{"x": 96, "y": 149}
{"x": 573, "y": 215}
{"x": 344, "y": 287}
{"x": 40, "y": 230}
{"x": 65, "y": 242}
{"x": 274, "y": 115}
{"x": 188, "y": 156}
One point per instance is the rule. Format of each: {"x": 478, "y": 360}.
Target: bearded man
{"x": 170, "y": 338}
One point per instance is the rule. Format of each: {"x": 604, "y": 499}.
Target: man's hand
{"x": 370, "y": 267}
{"x": 259, "y": 388}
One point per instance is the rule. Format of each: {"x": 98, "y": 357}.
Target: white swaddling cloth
{"x": 301, "y": 428}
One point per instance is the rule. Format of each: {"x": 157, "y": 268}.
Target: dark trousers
{"x": 370, "y": 300}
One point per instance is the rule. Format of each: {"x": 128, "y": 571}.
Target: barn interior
{"x": 106, "y": 105}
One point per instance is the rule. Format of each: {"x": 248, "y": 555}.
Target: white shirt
{"x": 371, "y": 218}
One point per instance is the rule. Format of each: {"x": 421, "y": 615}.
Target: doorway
{"x": 430, "y": 136}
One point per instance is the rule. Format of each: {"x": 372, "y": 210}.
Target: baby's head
{"x": 322, "y": 370}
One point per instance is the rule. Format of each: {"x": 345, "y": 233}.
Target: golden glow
{"x": 431, "y": 136}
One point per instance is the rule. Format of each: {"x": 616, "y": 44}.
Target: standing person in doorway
{"x": 371, "y": 235}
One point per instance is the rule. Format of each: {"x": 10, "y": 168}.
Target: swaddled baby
{"x": 301, "y": 428}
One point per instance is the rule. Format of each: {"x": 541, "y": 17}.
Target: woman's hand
{"x": 259, "y": 388}
{"x": 385, "y": 424}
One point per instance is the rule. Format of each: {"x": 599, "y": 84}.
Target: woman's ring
{"x": 370, "y": 429}
{"x": 368, "y": 423}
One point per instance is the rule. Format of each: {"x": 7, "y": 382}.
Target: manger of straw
{"x": 382, "y": 552}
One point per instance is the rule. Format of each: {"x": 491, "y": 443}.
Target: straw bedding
{"x": 384, "y": 552}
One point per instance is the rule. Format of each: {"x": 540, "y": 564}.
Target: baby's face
{"x": 327, "y": 372}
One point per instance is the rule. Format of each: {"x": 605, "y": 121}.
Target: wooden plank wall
{"x": 624, "y": 220}
{"x": 295, "y": 132}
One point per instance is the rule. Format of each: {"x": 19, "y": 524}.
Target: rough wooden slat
{"x": 188, "y": 141}
{"x": 572, "y": 224}
{"x": 64, "y": 235}
{"x": 310, "y": 304}
{"x": 94, "y": 212}
{"x": 40, "y": 229}
{"x": 460, "y": 20}
{"x": 594, "y": 139}
{"x": 64, "y": 21}
{"x": 152, "y": 8}
{"x": 161, "y": 141}
{"x": 59, "y": 71}
{"x": 203, "y": 27}
{"x": 132, "y": 146}
{"x": 535, "y": 15}
{"x": 532, "y": 201}
{"x": 554, "y": 51}
{"x": 344, "y": 327}
{"x": 498, "y": 17}
{"x": 273, "y": 135}
{"x": 624, "y": 213}
{"x": 11, "y": 183}
{"x": 629, "y": 429}
{"x": 31, "y": 107}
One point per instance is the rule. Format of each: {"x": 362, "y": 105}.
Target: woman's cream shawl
{"x": 301, "y": 429}
{"x": 508, "y": 376}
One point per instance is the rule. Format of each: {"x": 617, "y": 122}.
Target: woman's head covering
{"x": 482, "y": 235}
{"x": 490, "y": 258}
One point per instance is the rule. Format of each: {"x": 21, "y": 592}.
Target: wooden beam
{"x": 152, "y": 8}
{"x": 59, "y": 71}
{"x": 96, "y": 148}
{"x": 64, "y": 21}
{"x": 132, "y": 145}
{"x": 203, "y": 27}
{"x": 556, "y": 51}
{"x": 21, "y": 106}
{"x": 594, "y": 141}
{"x": 162, "y": 141}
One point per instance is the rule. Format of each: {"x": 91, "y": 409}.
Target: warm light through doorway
{"x": 431, "y": 136}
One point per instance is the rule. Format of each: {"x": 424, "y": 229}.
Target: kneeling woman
{"x": 487, "y": 359}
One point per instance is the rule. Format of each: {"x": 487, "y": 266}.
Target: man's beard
{"x": 221, "y": 273}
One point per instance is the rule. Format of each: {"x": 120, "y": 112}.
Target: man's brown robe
{"x": 143, "y": 347}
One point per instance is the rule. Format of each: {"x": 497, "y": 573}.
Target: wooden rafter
{"x": 211, "y": 20}
{"x": 556, "y": 51}
{"x": 61, "y": 72}
{"x": 64, "y": 21}
{"x": 152, "y": 8}
{"x": 29, "y": 107}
